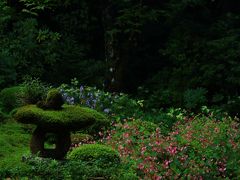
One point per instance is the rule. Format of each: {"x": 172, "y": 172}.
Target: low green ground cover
{"x": 14, "y": 143}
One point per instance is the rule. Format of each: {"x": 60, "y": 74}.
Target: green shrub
{"x": 94, "y": 152}
{"x": 199, "y": 147}
{"x": 109, "y": 103}
{"x": 165, "y": 119}
{"x": 9, "y": 98}
{"x": 69, "y": 117}
{"x": 232, "y": 106}
{"x": 195, "y": 98}
{"x": 44, "y": 168}
{"x": 34, "y": 91}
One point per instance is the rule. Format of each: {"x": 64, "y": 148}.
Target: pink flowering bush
{"x": 196, "y": 148}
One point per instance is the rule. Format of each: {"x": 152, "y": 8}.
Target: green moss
{"x": 69, "y": 117}
{"x": 54, "y": 99}
{"x": 3, "y": 116}
{"x": 8, "y": 98}
{"x": 94, "y": 152}
{"x": 14, "y": 143}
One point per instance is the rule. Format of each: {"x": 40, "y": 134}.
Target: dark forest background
{"x": 180, "y": 53}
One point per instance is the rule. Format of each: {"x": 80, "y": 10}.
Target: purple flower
{"x": 70, "y": 100}
{"x": 81, "y": 89}
{"x": 107, "y": 110}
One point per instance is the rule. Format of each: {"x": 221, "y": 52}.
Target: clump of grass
{"x": 14, "y": 142}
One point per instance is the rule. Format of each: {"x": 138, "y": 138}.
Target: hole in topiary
{"x": 41, "y": 139}
{"x": 50, "y": 140}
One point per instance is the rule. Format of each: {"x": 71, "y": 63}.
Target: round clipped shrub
{"x": 9, "y": 98}
{"x": 54, "y": 99}
{"x": 94, "y": 152}
{"x": 70, "y": 117}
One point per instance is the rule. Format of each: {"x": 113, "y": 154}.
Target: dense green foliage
{"x": 109, "y": 103}
{"x": 197, "y": 147}
{"x": 95, "y": 152}
{"x": 168, "y": 48}
{"x": 9, "y": 98}
{"x": 14, "y": 142}
{"x": 69, "y": 117}
{"x": 34, "y": 90}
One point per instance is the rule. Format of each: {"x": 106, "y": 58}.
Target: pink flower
{"x": 175, "y": 133}
{"x": 141, "y": 166}
{"x": 108, "y": 137}
{"x": 156, "y": 177}
{"x": 126, "y": 126}
{"x": 166, "y": 164}
{"x": 129, "y": 141}
{"x": 143, "y": 149}
{"x": 158, "y": 142}
{"x": 100, "y": 133}
{"x": 172, "y": 150}
{"x": 126, "y": 135}
{"x": 222, "y": 169}
{"x": 120, "y": 147}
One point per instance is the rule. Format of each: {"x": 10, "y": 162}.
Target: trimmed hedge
{"x": 94, "y": 152}
{"x": 69, "y": 117}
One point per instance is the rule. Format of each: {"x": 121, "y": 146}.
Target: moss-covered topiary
{"x": 59, "y": 123}
{"x": 94, "y": 152}
{"x": 68, "y": 118}
{"x": 54, "y": 99}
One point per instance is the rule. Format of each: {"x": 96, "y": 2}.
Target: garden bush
{"x": 9, "y": 98}
{"x": 95, "y": 152}
{"x": 34, "y": 91}
{"x": 195, "y": 98}
{"x": 198, "y": 147}
{"x": 45, "y": 168}
{"x": 109, "y": 103}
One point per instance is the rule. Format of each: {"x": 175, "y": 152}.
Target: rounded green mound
{"x": 94, "y": 152}
{"x": 8, "y": 98}
{"x": 69, "y": 117}
{"x": 54, "y": 99}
